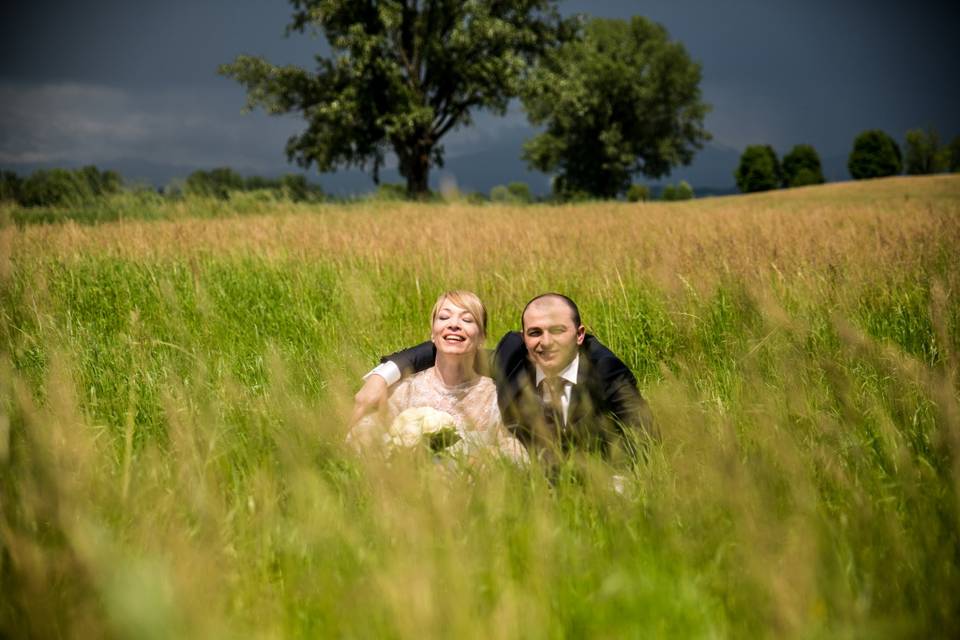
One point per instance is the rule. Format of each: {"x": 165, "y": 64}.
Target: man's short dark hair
{"x": 574, "y": 311}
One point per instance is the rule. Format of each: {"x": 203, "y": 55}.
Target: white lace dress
{"x": 472, "y": 405}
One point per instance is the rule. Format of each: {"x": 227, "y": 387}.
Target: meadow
{"x": 174, "y": 394}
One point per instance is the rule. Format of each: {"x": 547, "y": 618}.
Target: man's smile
{"x": 551, "y": 334}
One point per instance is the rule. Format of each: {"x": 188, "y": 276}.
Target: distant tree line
{"x": 519, "y": 193}
{"x": 85, "y": 186}
{"x": 221, "y": 182}
{"x": 59, "y": 187}
{"x": 875, "y": 154}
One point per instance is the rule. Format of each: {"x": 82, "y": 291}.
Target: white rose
{"x": 411, "y": 425}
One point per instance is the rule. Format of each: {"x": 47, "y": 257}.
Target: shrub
{"x": 759, "y": 169}
{"x": 63, "y": 187}
{"x": 924, "y": 154}
{"x": 520, "y": 192}
{"x": 216, "y": 183}
{"x": 953, "y": 155}
{"x": 391, "y": 191}
{"x": 175, "y": 189}
{"x": 11, "y": 186}
{"x": 669, "y": 193}
{"x": 55, "y": 187}
{"x": 244, "y": 201}
{"x": 500, "y": 193}
{"x": 805, "y": 177}
{"x": 513, "y": 193}
{"x": 874, "y": 155}
{"x": 577, "y": 195}
{"x": 684, "y": 191}
{"x": 296, "y": 188}
{"x": 475, "y": 197}
{"x": 802, "y": 167}
{"x": 638, "y": 193}
{"x": 100, "y": 183}
{"x": 255, "y": 183}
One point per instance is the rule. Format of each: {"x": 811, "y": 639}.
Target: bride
{"x": 451, "y": 392}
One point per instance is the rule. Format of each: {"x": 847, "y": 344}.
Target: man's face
{"x": 551, "y": 337}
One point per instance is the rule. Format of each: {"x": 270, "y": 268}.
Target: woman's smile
{"x": 455, "y": 330}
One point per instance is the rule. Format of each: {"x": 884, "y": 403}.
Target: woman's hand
{"x": 371, "y": 397}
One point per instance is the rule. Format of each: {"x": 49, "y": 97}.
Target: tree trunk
{"x": 414, "y": 155}
{"x": 418, "y": 173}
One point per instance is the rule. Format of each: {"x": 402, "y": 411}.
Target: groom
{"x": 559, "y": 389}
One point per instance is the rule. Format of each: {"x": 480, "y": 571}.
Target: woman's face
{"x": 455, "y": 330}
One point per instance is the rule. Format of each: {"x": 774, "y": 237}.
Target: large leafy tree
{"x": 402, "y": 74}
{"x": 924, "y": 153}
{"x": 875, "y": 155}
{"x": 801, "y": 167}
{"x": 622, "y": 100}
{"x": 953, "y": 155}
{"x": 759, "y": 169}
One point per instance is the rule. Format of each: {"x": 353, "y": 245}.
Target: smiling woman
{"x": 465, "y": 399}
{"x": 459, "y": 327}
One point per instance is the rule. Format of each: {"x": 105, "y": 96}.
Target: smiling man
{"x": 559, "y": 389}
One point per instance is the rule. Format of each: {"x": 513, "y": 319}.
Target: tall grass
{"x": 174, "y": 397}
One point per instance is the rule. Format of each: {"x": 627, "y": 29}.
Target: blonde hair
{"x": 465, "y": 300}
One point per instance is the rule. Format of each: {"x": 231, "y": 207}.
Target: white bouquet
{"x": 422, "y": 424}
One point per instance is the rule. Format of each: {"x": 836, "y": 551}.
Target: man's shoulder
{"x": 602, "y": 363}
{"x": 510, "y": 352}
{"x": 595, "y": 350}
{"x": 511, "y": 340}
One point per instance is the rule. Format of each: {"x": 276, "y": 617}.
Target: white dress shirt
{"x": 569, "y": 377}
{"x": 386, "y": 370}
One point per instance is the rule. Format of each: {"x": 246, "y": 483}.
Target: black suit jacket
{"x": 607, "y": 414}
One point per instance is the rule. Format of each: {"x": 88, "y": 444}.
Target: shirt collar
{"x": 569, "y": 374}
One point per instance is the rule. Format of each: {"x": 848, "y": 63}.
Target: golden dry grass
{"x": 848, "y": 226}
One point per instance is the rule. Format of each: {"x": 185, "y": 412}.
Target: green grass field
{"x": 173, "y": 394}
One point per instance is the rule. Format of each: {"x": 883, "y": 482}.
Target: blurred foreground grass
{"x": 173, "y": 398}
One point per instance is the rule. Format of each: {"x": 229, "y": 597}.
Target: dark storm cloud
{"x": 91, "y": 82}
{"x": 142, "y": 44}
{"x": 75, "y": 123}
{"x": 817, "y": 71}
{"x": 102, "y": 81}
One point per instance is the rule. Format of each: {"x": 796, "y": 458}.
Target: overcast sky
{"x": 134, "y": 86}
